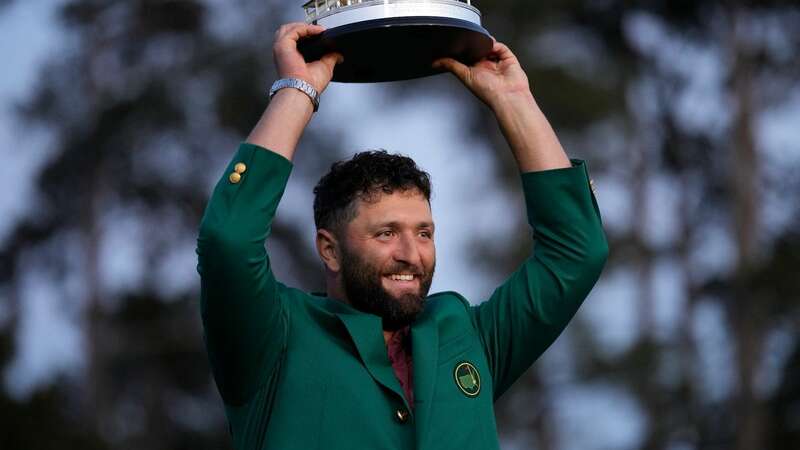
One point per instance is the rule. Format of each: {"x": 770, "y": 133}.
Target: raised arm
{"x": 500, "y": 82}
{"x": 528, "y": 312}
{"x": 288, "y": 114}
{"x": 243, "y": 316}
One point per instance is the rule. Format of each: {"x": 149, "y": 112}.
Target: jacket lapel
{"x": 366, "y": 332}
{"x": 425, "y": 353}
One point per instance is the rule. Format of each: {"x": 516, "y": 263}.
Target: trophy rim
{"x": 404, "y": 21}
{"x": 316, "y": 17}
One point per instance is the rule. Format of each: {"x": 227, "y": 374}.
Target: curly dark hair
{"x": 364, "y": 176}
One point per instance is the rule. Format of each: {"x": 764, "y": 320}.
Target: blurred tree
{"x": 145, "y": 109}
{"x": 633, "y": 81}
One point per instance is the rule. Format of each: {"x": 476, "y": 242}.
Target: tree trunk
{"x": 745, "y": 313}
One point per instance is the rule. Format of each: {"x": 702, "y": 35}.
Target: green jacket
{"x": 301, "y": 371}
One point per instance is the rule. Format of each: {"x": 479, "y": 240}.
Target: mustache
{"x": 406, "y": 268}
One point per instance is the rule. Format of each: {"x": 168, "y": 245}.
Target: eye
{"x": 425, "y": 234}
{"x": 385, "y": 234}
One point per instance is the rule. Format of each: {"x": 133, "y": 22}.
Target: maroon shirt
{"x": 399, "y": 349}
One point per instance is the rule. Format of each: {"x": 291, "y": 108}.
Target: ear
{"x": 328, "y": 250}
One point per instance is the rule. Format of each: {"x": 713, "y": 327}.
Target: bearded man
{"x": 374, "y": 362}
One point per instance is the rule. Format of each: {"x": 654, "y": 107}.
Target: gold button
{"x": 240, "y": 168}
{"x": 401, "y": 415}
{"x": 235, "y": 178}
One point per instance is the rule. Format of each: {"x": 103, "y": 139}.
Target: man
{"x": 375, "y": 363}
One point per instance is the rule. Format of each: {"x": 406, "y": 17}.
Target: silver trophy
{"x": 390, "y": 40}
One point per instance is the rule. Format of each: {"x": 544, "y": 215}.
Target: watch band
{"x": 298, "y": 84}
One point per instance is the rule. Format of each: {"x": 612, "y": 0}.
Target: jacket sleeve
{"x": 530, "y": 309}
{"x": 243, "y": 314}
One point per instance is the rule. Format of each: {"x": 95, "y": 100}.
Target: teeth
{"x": 402, "y": 277}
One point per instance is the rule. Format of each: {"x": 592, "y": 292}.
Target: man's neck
{"x": 333, "y": 290}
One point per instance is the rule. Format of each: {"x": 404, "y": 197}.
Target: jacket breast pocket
{"x": 462, "y": 410}
{"x": 456, "y": 348}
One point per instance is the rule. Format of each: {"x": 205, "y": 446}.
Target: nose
{"x": 407, "y": 251}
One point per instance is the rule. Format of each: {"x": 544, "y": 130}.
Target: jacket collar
{"x": 366, "y": 332}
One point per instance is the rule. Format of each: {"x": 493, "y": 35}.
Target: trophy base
{"x": 399, "y": 48}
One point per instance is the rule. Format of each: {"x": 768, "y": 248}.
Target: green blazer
{"x": 307, "y": 372}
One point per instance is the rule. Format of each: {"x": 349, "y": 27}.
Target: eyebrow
{"x": 395, "y": 224}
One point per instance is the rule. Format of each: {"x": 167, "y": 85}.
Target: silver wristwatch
{"x": 299, "y": 84}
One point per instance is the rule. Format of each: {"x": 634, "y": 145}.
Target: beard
{"x": 363, "y": 287}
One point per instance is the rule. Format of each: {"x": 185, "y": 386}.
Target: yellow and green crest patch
{"x": 467, "y": 379}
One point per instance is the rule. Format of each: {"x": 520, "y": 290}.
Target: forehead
{"x": 408, "y": 206}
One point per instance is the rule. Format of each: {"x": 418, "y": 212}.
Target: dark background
{"x": 686, "y": 111}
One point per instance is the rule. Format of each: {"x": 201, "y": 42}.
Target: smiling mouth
{"x": 402, "y": 277}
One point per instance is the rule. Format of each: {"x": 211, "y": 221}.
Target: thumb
{"x": 461, "y": 71}
{"x": 332, "y": 59}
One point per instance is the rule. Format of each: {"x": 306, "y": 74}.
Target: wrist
{"x": 529, "y": 134}
{"x": 513, "y": 101}
{"x": 293, "y": 102}
{"x": 283, "y": 122}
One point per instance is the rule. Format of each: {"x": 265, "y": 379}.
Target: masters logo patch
{"x": 467, "y": 379}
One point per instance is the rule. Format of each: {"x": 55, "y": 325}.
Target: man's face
{"x": 388, "y": 257}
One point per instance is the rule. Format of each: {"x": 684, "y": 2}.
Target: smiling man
{"x": 375, "y": 228}
{"x": 376, "y": 362}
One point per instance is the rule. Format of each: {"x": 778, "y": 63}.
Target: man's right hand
{"x": 291, "y": 64}
{"x": 290, "y": 110}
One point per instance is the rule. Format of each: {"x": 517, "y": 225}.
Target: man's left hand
{"x": 493, "y": 79}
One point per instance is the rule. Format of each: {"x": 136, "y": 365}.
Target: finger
{"x": 458, "y": 69}
{"x": 296, "y": 31}
{"x": 290, "y": 35}
{"x": 303, "y": 30}
{"x": 288, "y": 28}
{"x": 331, "y": 60}
{"x": 501, "y": 52}
{"x": 284, "y": 29}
